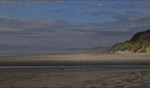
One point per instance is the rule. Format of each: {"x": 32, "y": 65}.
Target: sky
{"x": 36, "y": 25}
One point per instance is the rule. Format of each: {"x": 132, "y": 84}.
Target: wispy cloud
{"x": 133, "y": 4}
{"x": 95, "y": 5}
{"x": 52, "y": 31}
{"x": 29, "y": 3}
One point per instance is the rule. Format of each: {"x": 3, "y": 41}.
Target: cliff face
{"x": 139, "y": 43}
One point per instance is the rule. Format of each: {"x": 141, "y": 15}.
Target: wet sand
{"x": 75, "y": 71}
{"x": 75, "y": 77}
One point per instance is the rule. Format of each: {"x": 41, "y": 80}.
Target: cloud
{"x": 66, "y": 12}
{"x": 93, "y": 13}
{"x": 127, "y": 15}
{"x": 133, "y": 4}
{"x": 29, "y": 3}
{"x": 54, "y": 33}
{"x": 24, "y": 24}
{"x": 59, "y": 33}
{"x": 59, "y": 2}
{"x": 140, "y": 4}
{"x": 133, "y": 12}
{"x": 98, "y": 5}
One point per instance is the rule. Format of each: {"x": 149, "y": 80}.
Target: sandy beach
{"x": 74, "y": 71}
{"x": 74, "y": 59}
{"x": 75, "y": 78}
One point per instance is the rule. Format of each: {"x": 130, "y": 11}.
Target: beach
{"x": 75, "y": 59}
{"x": 75, "y": 71}
{"x": 75, "y": 77}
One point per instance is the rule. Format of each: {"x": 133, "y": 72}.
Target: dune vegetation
{"x": 139, "y": 43}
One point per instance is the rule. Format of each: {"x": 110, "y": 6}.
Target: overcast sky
{"x": 60, "y": 24}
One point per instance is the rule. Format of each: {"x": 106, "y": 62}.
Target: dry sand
{"x": 75, "y": 77}
{"x": 75, "y": 59}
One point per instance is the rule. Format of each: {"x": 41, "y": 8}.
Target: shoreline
{"x": 84, "y": 66}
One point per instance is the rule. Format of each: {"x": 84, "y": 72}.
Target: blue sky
{"x": 57, "y": 10}
{"x": 63, "y": 24}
